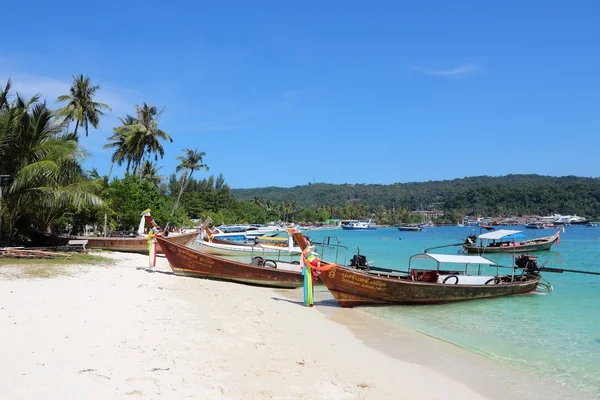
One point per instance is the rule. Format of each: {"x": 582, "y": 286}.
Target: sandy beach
{"x": 121, "y": 331}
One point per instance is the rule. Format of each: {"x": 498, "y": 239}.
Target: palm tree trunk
{"x": 0, "y": 213}
{"x": 183, "y": 183}
{"x": 107, "y": 180}
{"x": 110, "y": 171}
{"x": 105, "y": 223}
{"x": 76, "y": 126}
{"x": 140, "y": 166}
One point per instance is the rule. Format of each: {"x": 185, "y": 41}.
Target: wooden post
{"x": 5, "y": 180}
{"x": 105, "y": 222}
{"x": 0, "y": 212}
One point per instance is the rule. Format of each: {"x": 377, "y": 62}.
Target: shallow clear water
{"x": 555, "y": 335}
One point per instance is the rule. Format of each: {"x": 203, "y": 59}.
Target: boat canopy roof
{"x": 515, "y": 236}
{"x": 454, "y": 259}
{"x": 500, "y": 234}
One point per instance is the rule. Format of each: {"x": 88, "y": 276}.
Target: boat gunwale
{"x": 225, "y": 260}
{"x": 397, "y": 278}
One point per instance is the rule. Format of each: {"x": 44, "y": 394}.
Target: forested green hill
{"x": 483, "y": 195}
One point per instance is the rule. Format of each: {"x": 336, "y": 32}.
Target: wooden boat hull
{"x": 527, "y": 247}
{"x": 124, "y": 244}
{"x": 134, "y": 245}
{"x": 352, "y": 287}
{"x": 186, "y": 261}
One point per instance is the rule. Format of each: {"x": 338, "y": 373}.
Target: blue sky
{"x": 280, "y": 93}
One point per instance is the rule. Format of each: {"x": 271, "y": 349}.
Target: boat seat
{"x": 78, "y": 243}
{"x": 423, "y": 276}
{"x": 414, "y": 274}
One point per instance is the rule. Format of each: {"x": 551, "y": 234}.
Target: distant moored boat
{"x": 410, "y": 228}
{"x": 508, "y": 241}
{"x": 358, "y": 224}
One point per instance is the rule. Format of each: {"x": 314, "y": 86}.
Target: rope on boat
{"x": 546, "y": 287}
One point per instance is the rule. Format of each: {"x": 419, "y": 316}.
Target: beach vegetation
{"x": 44, "y": 161}
{"x": 191, "y": 161}
{"x": 44, "y": 268}
{"x": 141, "y": 137}
{"x": 478, "y": 195}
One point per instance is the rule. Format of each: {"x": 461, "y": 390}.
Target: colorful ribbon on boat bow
{"x": 314, "y": 262}
{"x": 311, "y": 265}
{"x": 311, "y": 269}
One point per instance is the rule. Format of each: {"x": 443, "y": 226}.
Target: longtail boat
{"x": 186, "y": 261}
{"x": 508, "y": 241}
{"x": 265, "y": 247}
{"x": 361, "y": 284}
{"x": 133, "y": 244}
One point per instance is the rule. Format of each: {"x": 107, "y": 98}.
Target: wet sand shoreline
{"x": 489, "y": 378}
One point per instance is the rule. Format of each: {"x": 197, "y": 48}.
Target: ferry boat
{"x": 358, "y": 224}
{"x": 568, "y": 220}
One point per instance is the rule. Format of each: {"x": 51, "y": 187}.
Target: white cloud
{"x": 120, "y": 100}
{"x": 467, "y": 69}
{"x": 30, "y": 85}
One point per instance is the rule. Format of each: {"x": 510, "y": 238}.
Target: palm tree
{"x": 150, "y": 173}
{"x": 119, "y": 142}
{"x": 45, "y": 164}
{"x": 380, "y": 212}
{"x": 4, "y": 104}
{"x": 81, "y": 106}
{"x": 143, "y": 137}
{"x": 191, "y": 161}
{"x": 294, "y": 208}
{"x": 286, "y": 208}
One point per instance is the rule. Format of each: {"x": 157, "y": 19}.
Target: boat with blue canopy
{"x": 508, "y": 241}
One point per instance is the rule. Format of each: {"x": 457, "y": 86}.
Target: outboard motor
{"x": 359, "y": 261}
{"x": 471, "y": 239}
{"x": 528, "y": 263}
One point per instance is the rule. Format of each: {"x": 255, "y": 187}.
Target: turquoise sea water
{"x": 556, "y": 335}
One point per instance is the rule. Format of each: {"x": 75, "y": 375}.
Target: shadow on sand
{"x": 319, "y": 303}
{"x": 154, "y": 271}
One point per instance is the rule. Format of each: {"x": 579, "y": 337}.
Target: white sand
{"x": 105, "y": 332}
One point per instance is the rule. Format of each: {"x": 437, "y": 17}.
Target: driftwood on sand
{"x": 20, "y": 252}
